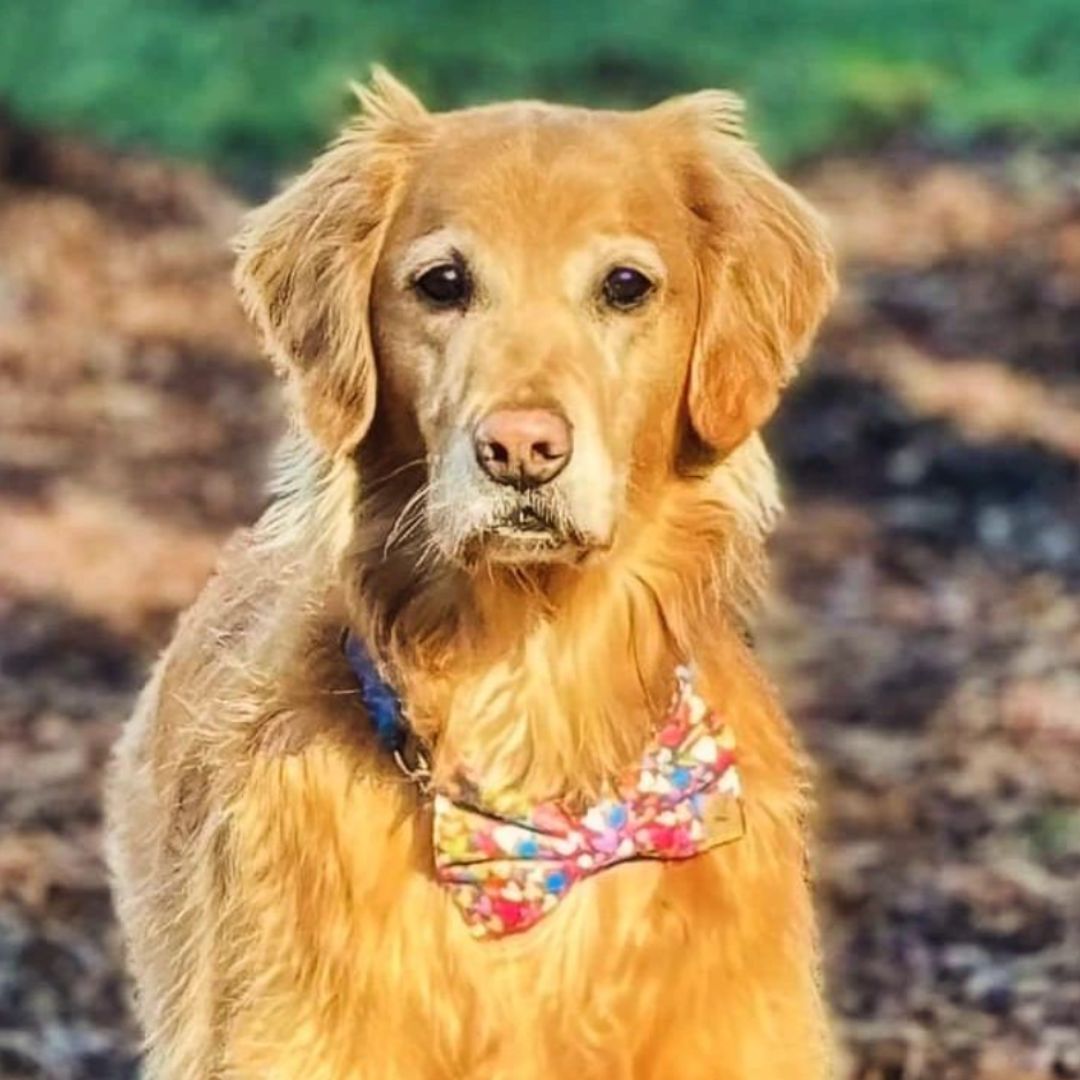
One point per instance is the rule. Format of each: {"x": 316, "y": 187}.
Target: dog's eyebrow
{"x": 433, "y": 247}
{"x": 635, "y": 250}
{"x": 601, "y": 253}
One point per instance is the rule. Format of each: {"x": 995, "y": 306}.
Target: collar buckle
{"x": 418, "y": 773}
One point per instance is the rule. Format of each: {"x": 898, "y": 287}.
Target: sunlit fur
{"x": 273, "y": 869}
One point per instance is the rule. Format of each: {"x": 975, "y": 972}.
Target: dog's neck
{"x": 552, "y": 680}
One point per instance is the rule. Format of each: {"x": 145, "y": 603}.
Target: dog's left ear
{"x": 306, "y": 260}
{"x": 765, "y": 271}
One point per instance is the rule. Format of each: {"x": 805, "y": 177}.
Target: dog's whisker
{"x": 375, "y": 485}
{"x": 401, "y": 521}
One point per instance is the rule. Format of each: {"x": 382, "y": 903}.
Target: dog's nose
{"x": 523, "y": 447}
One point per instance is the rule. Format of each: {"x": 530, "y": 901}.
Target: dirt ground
{"x": 925, "y": 626}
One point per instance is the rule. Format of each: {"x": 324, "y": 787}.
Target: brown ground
{"x": 926, "y": 630}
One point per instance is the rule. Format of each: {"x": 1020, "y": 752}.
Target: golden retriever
{"x": 528, "y": 349}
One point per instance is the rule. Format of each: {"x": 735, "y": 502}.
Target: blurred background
{"x": 925, "y": 628}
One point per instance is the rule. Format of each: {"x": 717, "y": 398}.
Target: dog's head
{"x": 543, "y": 312}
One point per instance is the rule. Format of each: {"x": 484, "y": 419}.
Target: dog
{"x": 404, "y": 798}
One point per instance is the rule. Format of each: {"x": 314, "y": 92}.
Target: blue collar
{"x": 379, "y": 697}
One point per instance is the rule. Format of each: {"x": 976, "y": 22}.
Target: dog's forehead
{"x": 552, "y": 166}
{"x": 535, "y": 127}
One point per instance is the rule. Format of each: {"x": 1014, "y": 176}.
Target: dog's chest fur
{"x": 347, "y": 940}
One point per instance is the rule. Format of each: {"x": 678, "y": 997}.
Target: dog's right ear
{"x": 306, "y": 261}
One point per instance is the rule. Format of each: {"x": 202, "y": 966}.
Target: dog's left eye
{"x": 445, "y": 285}
{"x": 625, "y": 287}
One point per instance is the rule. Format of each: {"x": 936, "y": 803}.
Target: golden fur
{"x": 272, "y": 868}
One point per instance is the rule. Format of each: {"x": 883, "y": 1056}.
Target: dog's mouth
{"x": 526, "y": 533}
{"x": 530, "y": 531}
{"x": 527, "y": 522}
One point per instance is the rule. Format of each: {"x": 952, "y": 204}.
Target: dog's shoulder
{"x": 213, "y": 660}
{"x": 225, "y": 618}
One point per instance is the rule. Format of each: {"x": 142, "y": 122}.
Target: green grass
{"x": 250, "y": 85}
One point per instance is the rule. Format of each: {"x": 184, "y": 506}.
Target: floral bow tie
{"x": 507, "y": 872}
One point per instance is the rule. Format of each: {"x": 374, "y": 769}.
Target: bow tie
{"x": 506, "y": 872}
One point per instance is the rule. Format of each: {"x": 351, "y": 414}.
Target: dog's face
{"x": 553, "y": 310}
{"x": 533, "y": 310}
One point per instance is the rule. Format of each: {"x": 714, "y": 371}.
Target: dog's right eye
{"x": 445, "y": 285}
